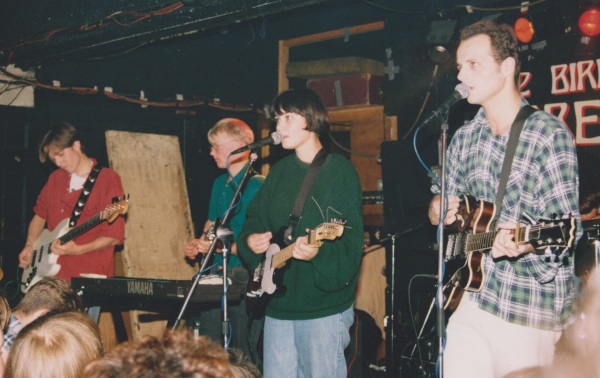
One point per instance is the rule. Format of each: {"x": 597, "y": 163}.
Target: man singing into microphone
{"x": 224, "y": 137}
{"x": 526, "y": 298}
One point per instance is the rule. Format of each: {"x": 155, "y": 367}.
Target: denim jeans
{"x": 307, "y": 348}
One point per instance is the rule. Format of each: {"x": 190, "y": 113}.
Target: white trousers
{"x": 481, "y": 345}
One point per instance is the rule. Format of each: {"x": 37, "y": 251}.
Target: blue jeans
{"x": 307, "y": 348}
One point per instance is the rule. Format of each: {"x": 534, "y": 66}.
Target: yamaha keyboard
{"x": 95, "y": 290}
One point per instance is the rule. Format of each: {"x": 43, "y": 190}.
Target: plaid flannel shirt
{"x": 12, "y": 330}
{"x": 530, "y": 290}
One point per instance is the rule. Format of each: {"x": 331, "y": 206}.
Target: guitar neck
{"x": 85, "y": 226}
{"x": 485, "y": 240}
{"x": 326, "y": 231}
{"x": 281, "y": 257}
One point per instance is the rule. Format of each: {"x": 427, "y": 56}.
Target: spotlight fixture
{"x": 524, "y": 30}
{"x": 589, "y": 22}
{"x": 439, "y": 54}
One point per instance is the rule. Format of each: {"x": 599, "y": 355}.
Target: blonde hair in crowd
{"x": 4, "y": 312}
{"x": 54, "y": 346}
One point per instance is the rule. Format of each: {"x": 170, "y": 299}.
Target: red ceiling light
{"x": 524, "y": 29}
{"x": 589, "y": 22}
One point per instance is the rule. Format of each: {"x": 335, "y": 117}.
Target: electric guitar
{"x": 474, "y": 238}
{"x": 267, "y": 279}
{"x": 43, "y": 261}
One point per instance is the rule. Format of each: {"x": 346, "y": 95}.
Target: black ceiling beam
{"x": 72, "y": 43}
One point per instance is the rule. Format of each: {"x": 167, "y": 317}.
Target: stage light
{"x": 439, "y": 54}
{"x": 589, "y": 22}
{"x": 524, "y": 30}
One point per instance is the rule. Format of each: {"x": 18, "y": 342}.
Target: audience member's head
{"x": 51, "y": 294}
{"x": 54, "y": 346}
{"x": 176, "y": 354}
{"x": 241, "y": 366}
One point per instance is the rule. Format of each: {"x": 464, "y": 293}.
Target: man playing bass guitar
{"x": 93, "y": 251}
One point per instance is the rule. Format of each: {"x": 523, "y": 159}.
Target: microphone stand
{"x": 225, "y": 234}
{"x": 441, "y": 324}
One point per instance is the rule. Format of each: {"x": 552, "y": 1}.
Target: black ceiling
{"x": 33, "y": 32}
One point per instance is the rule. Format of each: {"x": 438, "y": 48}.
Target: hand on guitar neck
{"x": 463, "y": 211}
{"x": 505, "y": 243}
{"x": 474, "y": 238}
{"x": 268, "y": 275}
{"x": 302, "y": 250}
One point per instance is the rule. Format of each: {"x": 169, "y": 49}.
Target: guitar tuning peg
{"x": 554, "y": 215}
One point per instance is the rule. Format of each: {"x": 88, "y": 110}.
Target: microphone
{"x": 274, "y": 138}
{"x": 461, "y": 91}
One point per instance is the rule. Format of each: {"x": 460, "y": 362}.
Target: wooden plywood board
{"x": 158, "y": 219}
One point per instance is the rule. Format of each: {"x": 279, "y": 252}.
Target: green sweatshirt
{"x": 325, "y": 285}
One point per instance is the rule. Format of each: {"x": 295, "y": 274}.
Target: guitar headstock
{"x": 553, "y": 233}
{"x": 326, "y": 231}
{"x": 112, "y": 211}
{"x": 211, "y": 233}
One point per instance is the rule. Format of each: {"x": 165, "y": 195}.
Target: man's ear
{"x": 41, "y": 312}
{"x": 77, "y": 146}
{"x": 34, "y": 315}
{"x": 508, "y": 66}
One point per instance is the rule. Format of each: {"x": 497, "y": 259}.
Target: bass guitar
{"x": 474, "y": 220}
{"x": 44, "y": 262}
{"x": 267, "y": 279}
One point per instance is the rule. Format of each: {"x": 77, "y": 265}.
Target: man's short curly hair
{"x": 502, "y": 38}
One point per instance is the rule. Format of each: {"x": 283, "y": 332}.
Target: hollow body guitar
{"x": 267, "y": 279}
{"x": 473, "y": 239}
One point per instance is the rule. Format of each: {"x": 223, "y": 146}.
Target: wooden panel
{"x": 350, "y": 65}
{"x": 369, "y": 127}
{"x": 158, "y": 221}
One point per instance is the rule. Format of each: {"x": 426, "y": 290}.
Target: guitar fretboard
{"x": 282, "y": 256}
{"x": 324, "y": 231}
{"x": 75, "y": 232}
{"x": 483, "y": 241}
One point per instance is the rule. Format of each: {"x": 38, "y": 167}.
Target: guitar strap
{"x": 313, "y": 171}
{"x": 511, "y": 147}
{"x": 85, "y": 193}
